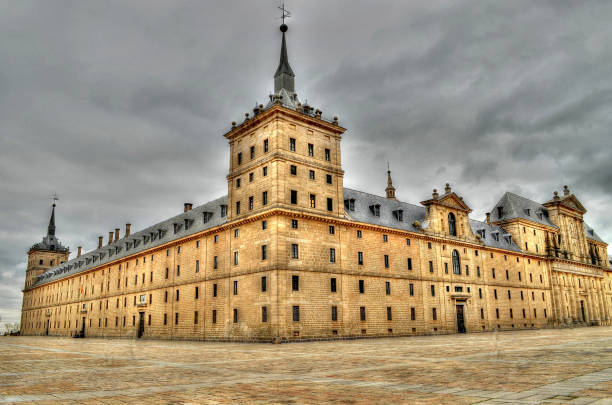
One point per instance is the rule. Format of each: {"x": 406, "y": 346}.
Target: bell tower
{"x": 285, "y": 155}
{"x": 46, "y": 254}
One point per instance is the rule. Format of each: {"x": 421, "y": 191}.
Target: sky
{"x": 120, "y": 106}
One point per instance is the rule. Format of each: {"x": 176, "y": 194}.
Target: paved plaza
{"x": 569, "y": 366}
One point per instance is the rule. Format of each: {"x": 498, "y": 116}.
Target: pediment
{"x": 573, "y": 203}
{"x": 454, "y": 201}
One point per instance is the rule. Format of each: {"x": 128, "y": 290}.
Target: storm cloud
{"x": 120, "y": 106}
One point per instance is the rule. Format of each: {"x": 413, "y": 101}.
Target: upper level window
{"x": 456, "y": 263}
{"x": 328, "y": 179}
{"x": 265, "y": 145}
{"x": 293, "y": 170}
{"x": 452, "y": 228}
{"x": 293, "y": 196}
{"x": 237, "y": 183}
{"x": 330, "y": 204}
{"x": 265, "y": 171}
{"x": 240, "y": 158}
{"x": 311, "y": 174}
{"x": 310, "y": 149}
{"x": 327, "y": 155}
{"x": 252, "y": 152}
{"x": 251, "y": 177}
{"x": 313, "y": 201}
{"x": 292, "y": 144}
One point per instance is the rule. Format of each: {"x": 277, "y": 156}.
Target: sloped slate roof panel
{"x": 515, "y": 206}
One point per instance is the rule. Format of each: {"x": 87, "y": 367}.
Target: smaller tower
{"x": 46, "y": 254}
{"x": 390, "y": 190}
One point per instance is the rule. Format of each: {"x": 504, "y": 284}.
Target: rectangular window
{"x": 328, "y": 179}
{"x": 264, "y": 283}
{"x": 493, "y": 273}
{"x": 434, "y": 314}
{"x": 294, "y": 223}
{"x": 235, "y": 287}
{"x": 359, "y": 234}
{"x": 332, "y": 255}
{"x": 214, "y": 316}
{"x": 332, "y": 230}
{"x": 165, "y": 320}
{"x": 327, "y": 155}
{"x": 497, "y": 313}
{"x": 433, "y": 290}
{"x": 361, "y": 287}
{"x": 215, "y": 262}
{"x": 409, "y": 263}
{"x": 362, "y": 313}
{"x": 296, "y": 313}
{"x": 166, "y": 273}
{"x": 197, "y": 293}
{"x": 294, "y": 251}
{"x": 166, "y": 296}
{"x": 411, "y": 289}
{"x": 197, "y": 270}
{"x": 214, "y": 290}
{"x": 445, "y": 268}
{"x": 334, "y": 313}
{"x": 295, "y": 283}
{"x": 235, "y": 258}
{"x": 332, "y": 284}
{"x": 251, "y": 203}
{"x": 385, "y": 238}
{"x": 235, "y": 315}
{"x": 495, "y": 293}
{"x": 240, "y": 158}
{"x": 195, "y": 317}
{"x": 265, "y": 171}
{"x": 313, "y": 201}
{"x": 360, "y": 258}
{"x": 237, "y": 207}
{"x": 431, "y": 270}
{"x": 330, "y": 204}
{"x": 311, "y": 174}
{"x": 478, "y": 271}
{"x": 388, "y": 287}
{"x": 177, "y": 295}
{"x": 507, "y": 275}
{"x": 216, "y": 238}
{"x": 386, "y": 257}
{"x": 509, "y": 296}
{"x": 389, "y": 318}
{"x": 294, "y": 170}
{"x": 310, "y": 150}
{"x": 264, "y": 198}
{"x": 266, "y": 145}
{"x": 481, "y": 313}
{"x": 252, "y": 151}
{"x": 176, "y": 318}
{"x": 264, "y": 252}
{"x": 236, "y": 232}
{"x": 412, "y": 314}
{"x": 264, "y": 224}
{"x": 293, "y": 196}
{"x": 264, "y": 314}
{"x": 480, "y": 293}
{"x": 292, "y": 144}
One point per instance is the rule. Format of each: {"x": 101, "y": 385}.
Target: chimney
{"x": 127, "y": 229}
{"x": 489, "y": 218}
{"x": 110, "y": 237}
{"x": 100, "y": 239}
{"x": 116, "y": 234}
{"x": 188, "y": 207}
{"x": 79, "y": 250}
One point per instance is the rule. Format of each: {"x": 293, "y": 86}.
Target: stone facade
{"x": 290, "y": 258}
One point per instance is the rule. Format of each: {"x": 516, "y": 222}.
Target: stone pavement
{"x": 568, "y": 366}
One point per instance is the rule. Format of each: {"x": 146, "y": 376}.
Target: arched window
{"x": 452, "y": 229}
{"x": 456, "y": 263}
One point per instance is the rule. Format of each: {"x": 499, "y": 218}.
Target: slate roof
{"x": 150, "y": 237}
{"x": 516, "y": 206}
{"x": 591, "y": 234}
{"x": 411, "y": 213}
{"x": 50, "y": 242}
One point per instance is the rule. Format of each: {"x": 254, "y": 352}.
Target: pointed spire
{"x": 390, "y": 190}
{"x": 283, "y": 78}
{"x": 51, "y": 228}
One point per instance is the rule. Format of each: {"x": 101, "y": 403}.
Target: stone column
{"x": 603, "y": 302}
{"x": 556, "y": 291}
{"x": 573, "y": 295}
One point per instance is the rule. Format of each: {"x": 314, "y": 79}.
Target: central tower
{"x": 285, "y": 155}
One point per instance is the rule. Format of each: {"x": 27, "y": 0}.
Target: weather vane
{"x": 284, "y": 12}
{"x": 54, "y": 198}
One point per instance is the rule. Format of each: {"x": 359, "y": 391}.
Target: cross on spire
{"x": 284, "y": 12}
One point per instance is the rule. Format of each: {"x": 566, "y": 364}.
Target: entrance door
{"x": 141, "y": 325}
{"x": 582, "y": 311}
{"x": 460, "y": 319}
{"x": 83, "y": 328}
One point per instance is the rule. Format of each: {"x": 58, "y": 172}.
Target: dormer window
{"x": 500, "y": 212}
{"x": 349, "y": 204}
{"x": 482, "y": 233}
{"x": 188, "y": 223}
{"x": 207, "y": 216}
{"x": 145, "y": 239}
{"x": 508, "y": 238}
{"x": 399, "y": 215}
{"x": 160, "y": 233}
{"x": 540, "y": 215}
{"x": 495, "y": 235}
{"x": 223, "y": 210}
{"x": 527, "y": 212}
{"x": 375, "y": 210}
